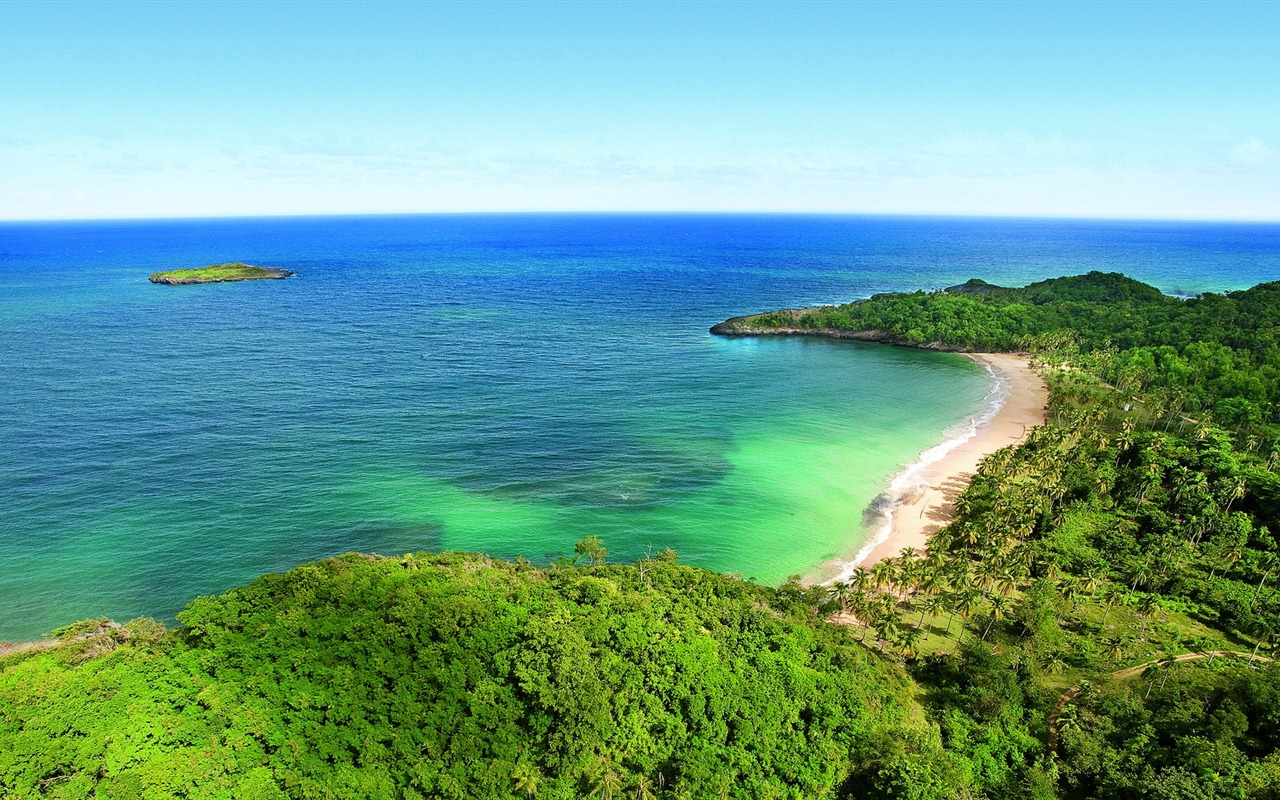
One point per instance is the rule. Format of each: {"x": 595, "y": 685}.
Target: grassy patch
{"x": 234, "y": 271}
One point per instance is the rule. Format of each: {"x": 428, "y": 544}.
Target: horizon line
{"x": 656, "y": 213}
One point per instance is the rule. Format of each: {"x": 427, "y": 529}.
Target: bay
{"x": 503, "y": 383}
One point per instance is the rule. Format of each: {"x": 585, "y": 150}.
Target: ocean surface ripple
{"x": 504, "y": 383}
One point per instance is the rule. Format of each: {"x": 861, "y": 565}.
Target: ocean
{"x": 501, "y": 383}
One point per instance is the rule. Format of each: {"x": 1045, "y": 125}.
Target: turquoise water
{"x": 498, "y": 383}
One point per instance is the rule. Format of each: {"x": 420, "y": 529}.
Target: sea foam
{"x": 910, "y": 482}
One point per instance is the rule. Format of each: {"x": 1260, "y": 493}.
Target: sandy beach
{"x": 926, "y": 505}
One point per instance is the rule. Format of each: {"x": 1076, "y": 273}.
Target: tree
{"x": 526, "y": 777}
{"x": 842, "y": 593}
{"x": 592, "y": 549}
{"x": 1112, "y": 596}
{"x": 605, "y": 780}
{"x": 1147, "y": 606}
{"x": 1266, "y": 562}
{"x": 999, "y": 611}
{"x": 644, "y": 789}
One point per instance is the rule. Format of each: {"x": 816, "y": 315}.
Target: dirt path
{"x": 1051, "y": 741}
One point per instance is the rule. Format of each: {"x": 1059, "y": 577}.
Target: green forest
{"x": 1099, "y": 621}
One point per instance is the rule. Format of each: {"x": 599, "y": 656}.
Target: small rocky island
{"x": 217, "y": 273}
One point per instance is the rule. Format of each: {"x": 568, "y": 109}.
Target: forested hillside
{"x": 460, "y": 676}
{"x": 1096, "y": 560}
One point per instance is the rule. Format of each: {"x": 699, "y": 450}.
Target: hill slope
{"x": 460, "y": 676}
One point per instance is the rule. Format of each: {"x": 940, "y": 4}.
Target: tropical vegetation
{"x": 214, "y": 273}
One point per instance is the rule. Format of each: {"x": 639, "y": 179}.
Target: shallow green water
{"x": 503, "y": 384}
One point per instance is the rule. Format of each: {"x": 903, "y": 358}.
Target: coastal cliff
{"x": 750, "y": 325}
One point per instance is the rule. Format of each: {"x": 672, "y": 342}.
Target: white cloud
{"x": 1252, "y": 153}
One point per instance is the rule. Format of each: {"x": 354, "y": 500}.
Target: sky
{"x": 1087, "y": 109}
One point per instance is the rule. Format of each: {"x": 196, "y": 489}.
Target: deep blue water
{"x": 507, "y": 383}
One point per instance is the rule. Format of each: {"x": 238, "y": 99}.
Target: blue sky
{"x": 1057, "y": 109}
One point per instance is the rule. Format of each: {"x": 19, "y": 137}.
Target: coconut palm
{"x": 860, "y": 580}
{"x": 1266, "y": 562}
{"x": 644, "y": 789}
{"x": 605, "y": 781}
{"x": 882, "y": 574}
{"x": 841, "y": 592}
{"x": 966, "y": 605}
{"x": 1000, "y": 607}
{"x": 905, "y": 638}
{"x": 1112, "y": 596}
{"x": 526, "y": 777}
{"x": 1235, "y": 489}
{"x": 1069, "y": 587}
{"x": 1151, "y": 673}
{"x": 1091, "y": 580}
{"x": 1007, "y": 579}
{"x": 1147, "y": 606}
{"x": 933, "y": 605}
{"x": 1262, "y": 633}
{"x": 1142, "y": 575}
{"x": 1226, "y": 549}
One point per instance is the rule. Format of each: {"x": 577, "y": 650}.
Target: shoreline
{"x": 919, "y": 500}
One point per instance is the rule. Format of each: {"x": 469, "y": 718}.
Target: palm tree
{"x": 1069, "y": 588}
{"x": 887, "y": 628}
{"x": 967, "y": 604}
{"x": 644, "y": 789}
{"x": 1152, "y": 672}
{"x": 1112, "y": 596}
{"x": 985, "y": 575}
{"x": 1235, "y": 489}
{"x": 1227, "y": 549}
{"x": 1171, "y": 663}
{"x": 1146, "y": 607}
{"x": 1151, "y": 474}
{"x": 932, "y": 605}
{"x": 1006, "y": 580}
{"x": 968, "y": 534}
{"x": 1091, "y": 580}
{"x": 999, "y": 611}
{"x": 1142, "y": 575}
{"x": 959, "y": 574}
{"x": 860, "y": 580}
{"x": 1266, "y": 562}
{"x": 906, "y": 639}
{"x": 841, "y": 592}
{"x": 882, "y": 574}
{"x": 907, "y": 570}
{"x": 864, "y": 610}
{"x": 1262, "y": 632}
{"x": 1125, "y": 440}
{"x": 526, "y": 776}
{"x": 607, "y": 783}
{"x": 1068, "y": 719}
{"x": 930, "y": 579}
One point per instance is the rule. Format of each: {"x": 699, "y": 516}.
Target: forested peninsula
{"x": 1098, "y": 621}
{"x": 219, "y": 273}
